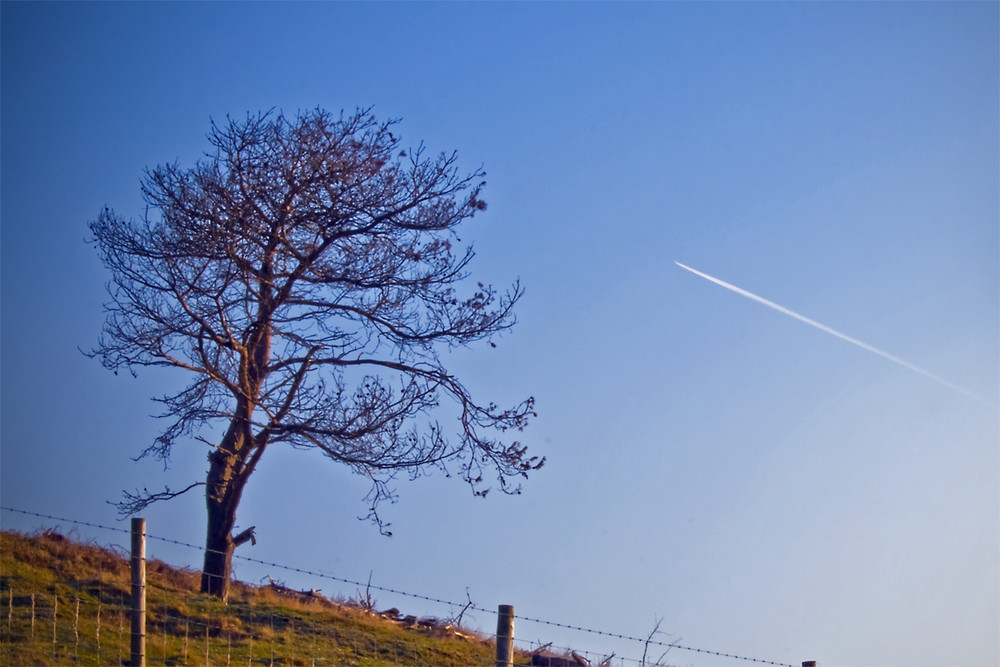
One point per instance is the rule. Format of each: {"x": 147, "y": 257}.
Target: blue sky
{"x": 763, "y": 487}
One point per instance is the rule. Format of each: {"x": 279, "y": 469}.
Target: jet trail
{"x": 834, "y": 332}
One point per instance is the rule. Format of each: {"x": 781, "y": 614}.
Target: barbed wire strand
{"x": 417, "y": 596}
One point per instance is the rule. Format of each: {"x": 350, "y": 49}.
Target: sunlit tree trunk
{"x": 218, "y": 549}
{"x": 227, "y": 477}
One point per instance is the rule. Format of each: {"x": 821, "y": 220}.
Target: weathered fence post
{"x": 809, "y": 663}
{"x": 505, "y": 636}
{"x": 138, "y": 615}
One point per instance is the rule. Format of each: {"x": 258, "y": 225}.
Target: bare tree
{"x": 304, "y": 274}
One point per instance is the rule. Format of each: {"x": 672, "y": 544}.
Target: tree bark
{"x": 218, "y": 566}
{"x": 219, "y": 543}
{"x": 231, "y": 465}
{"x": 226, "y": 479}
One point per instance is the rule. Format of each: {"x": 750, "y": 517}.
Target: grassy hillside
{"x": 63, "y": 602}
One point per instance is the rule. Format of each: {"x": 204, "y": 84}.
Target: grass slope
{"x": 62, "y": 602}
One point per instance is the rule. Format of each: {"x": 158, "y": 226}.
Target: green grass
{"x": 64, "y": 603}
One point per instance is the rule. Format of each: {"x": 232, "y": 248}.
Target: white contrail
{"x": 834, "y": 332}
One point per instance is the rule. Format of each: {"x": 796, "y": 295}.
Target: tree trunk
{"x": 230, "y": 466}
{"x": 222, "y": 497}
{"x": 219, "y": 548}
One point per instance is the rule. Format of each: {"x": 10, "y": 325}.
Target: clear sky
{"x": 764, "y": 487}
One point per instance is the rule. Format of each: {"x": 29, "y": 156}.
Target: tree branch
{"x": 135, "y": 502}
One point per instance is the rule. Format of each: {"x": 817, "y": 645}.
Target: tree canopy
{"x": 306, "y": 274}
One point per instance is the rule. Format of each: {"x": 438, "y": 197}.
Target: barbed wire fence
{"x": 84, "y": 622}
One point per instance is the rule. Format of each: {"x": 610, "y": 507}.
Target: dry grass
{"x": 63, "y": 602}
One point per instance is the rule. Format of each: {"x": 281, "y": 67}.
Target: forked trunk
{"x": 230, "y": 466}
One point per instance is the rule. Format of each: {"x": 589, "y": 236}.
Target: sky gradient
{"x": 765, "y": 488}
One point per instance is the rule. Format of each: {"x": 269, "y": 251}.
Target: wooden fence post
{"x": 138, "y": 615}
{"x": 809, "y": 663}
{"x": 505, "y": 636}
